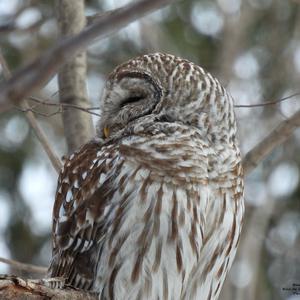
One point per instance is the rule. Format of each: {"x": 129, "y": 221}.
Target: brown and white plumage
{"x": 155, "y": 209}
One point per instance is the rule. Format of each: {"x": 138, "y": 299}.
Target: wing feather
{"x": 81, "y": 215}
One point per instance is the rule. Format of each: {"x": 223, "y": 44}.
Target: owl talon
{"x": 54, "y": 282}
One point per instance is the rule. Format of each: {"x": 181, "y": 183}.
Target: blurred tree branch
{"x": 34, "y": 75}
{"x": 33, "y": 122}
{"x": 78, "y": 125}
{"x": 23, "y": 267}
{"x": 281, "y": 133}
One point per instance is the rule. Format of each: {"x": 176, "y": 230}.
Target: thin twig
{"x": 33, "y": 122}
{"x": 34, "y": 75}
{"x": 67, "y": 105}
{"x": 90, "y": 109}
{"x": 52, "y": 103}
{"x": 281, "y": 133}
{"x": 267, "y": 102}
{"x": 24, "y": 267}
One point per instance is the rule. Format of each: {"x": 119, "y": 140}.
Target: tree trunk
{"x": 78, "y": 125}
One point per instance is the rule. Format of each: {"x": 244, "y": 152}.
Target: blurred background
{"x": 252, "y": 46}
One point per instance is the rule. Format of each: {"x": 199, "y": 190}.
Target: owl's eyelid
{"x": 132, "y": 99}
{"x": 165, "y": 118}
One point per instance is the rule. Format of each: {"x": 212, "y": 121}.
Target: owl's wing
{"x": 99, "y": 189}
{"x": 81, "y": 212}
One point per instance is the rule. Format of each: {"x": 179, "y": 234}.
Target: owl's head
{"x": 164, "y": 87}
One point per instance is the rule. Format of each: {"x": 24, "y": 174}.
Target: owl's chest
{"x": 173, "y": 160}
{"x": 155, "y": 240}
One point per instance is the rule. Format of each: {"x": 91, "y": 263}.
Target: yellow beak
{"x": 106, "y": 131}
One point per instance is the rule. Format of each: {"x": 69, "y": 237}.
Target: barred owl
{"x": 152, "y": 208}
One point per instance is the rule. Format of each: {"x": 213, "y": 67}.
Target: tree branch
{"x": 62, "y": 105}
{"x": 281, "y": 133}
{"x": 267, "y": 103}
{"x": 12, "y": 287}
{"x": 33, "y": 122}
{"x": 34, "y": 75}
{"x": 24, "y": 267}
{"x": 78, "y": 126}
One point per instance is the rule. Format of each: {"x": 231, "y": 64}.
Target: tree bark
{"x": 78, "y": 125}
{"x": 12, "y": 287}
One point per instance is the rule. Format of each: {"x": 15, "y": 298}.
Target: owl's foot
{"x": 54, "y": 282}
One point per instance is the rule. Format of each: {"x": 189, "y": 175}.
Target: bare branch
{"x": 47, "y": 115}
{"x": 63, "y": 104}
{"x": 24, "y": 267}
{"x": 78, "y": 126}
{"x": 33, "y": 123}
{"x": 16, "y": 288}
{"x": 90, "y": 109}
{"x": 56, "y": 163}
{"x": 60, "y": 107}
{"x": 281, "y": 133}
{"x": 272, "y": 102}
{"x": 34, "y": 75}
